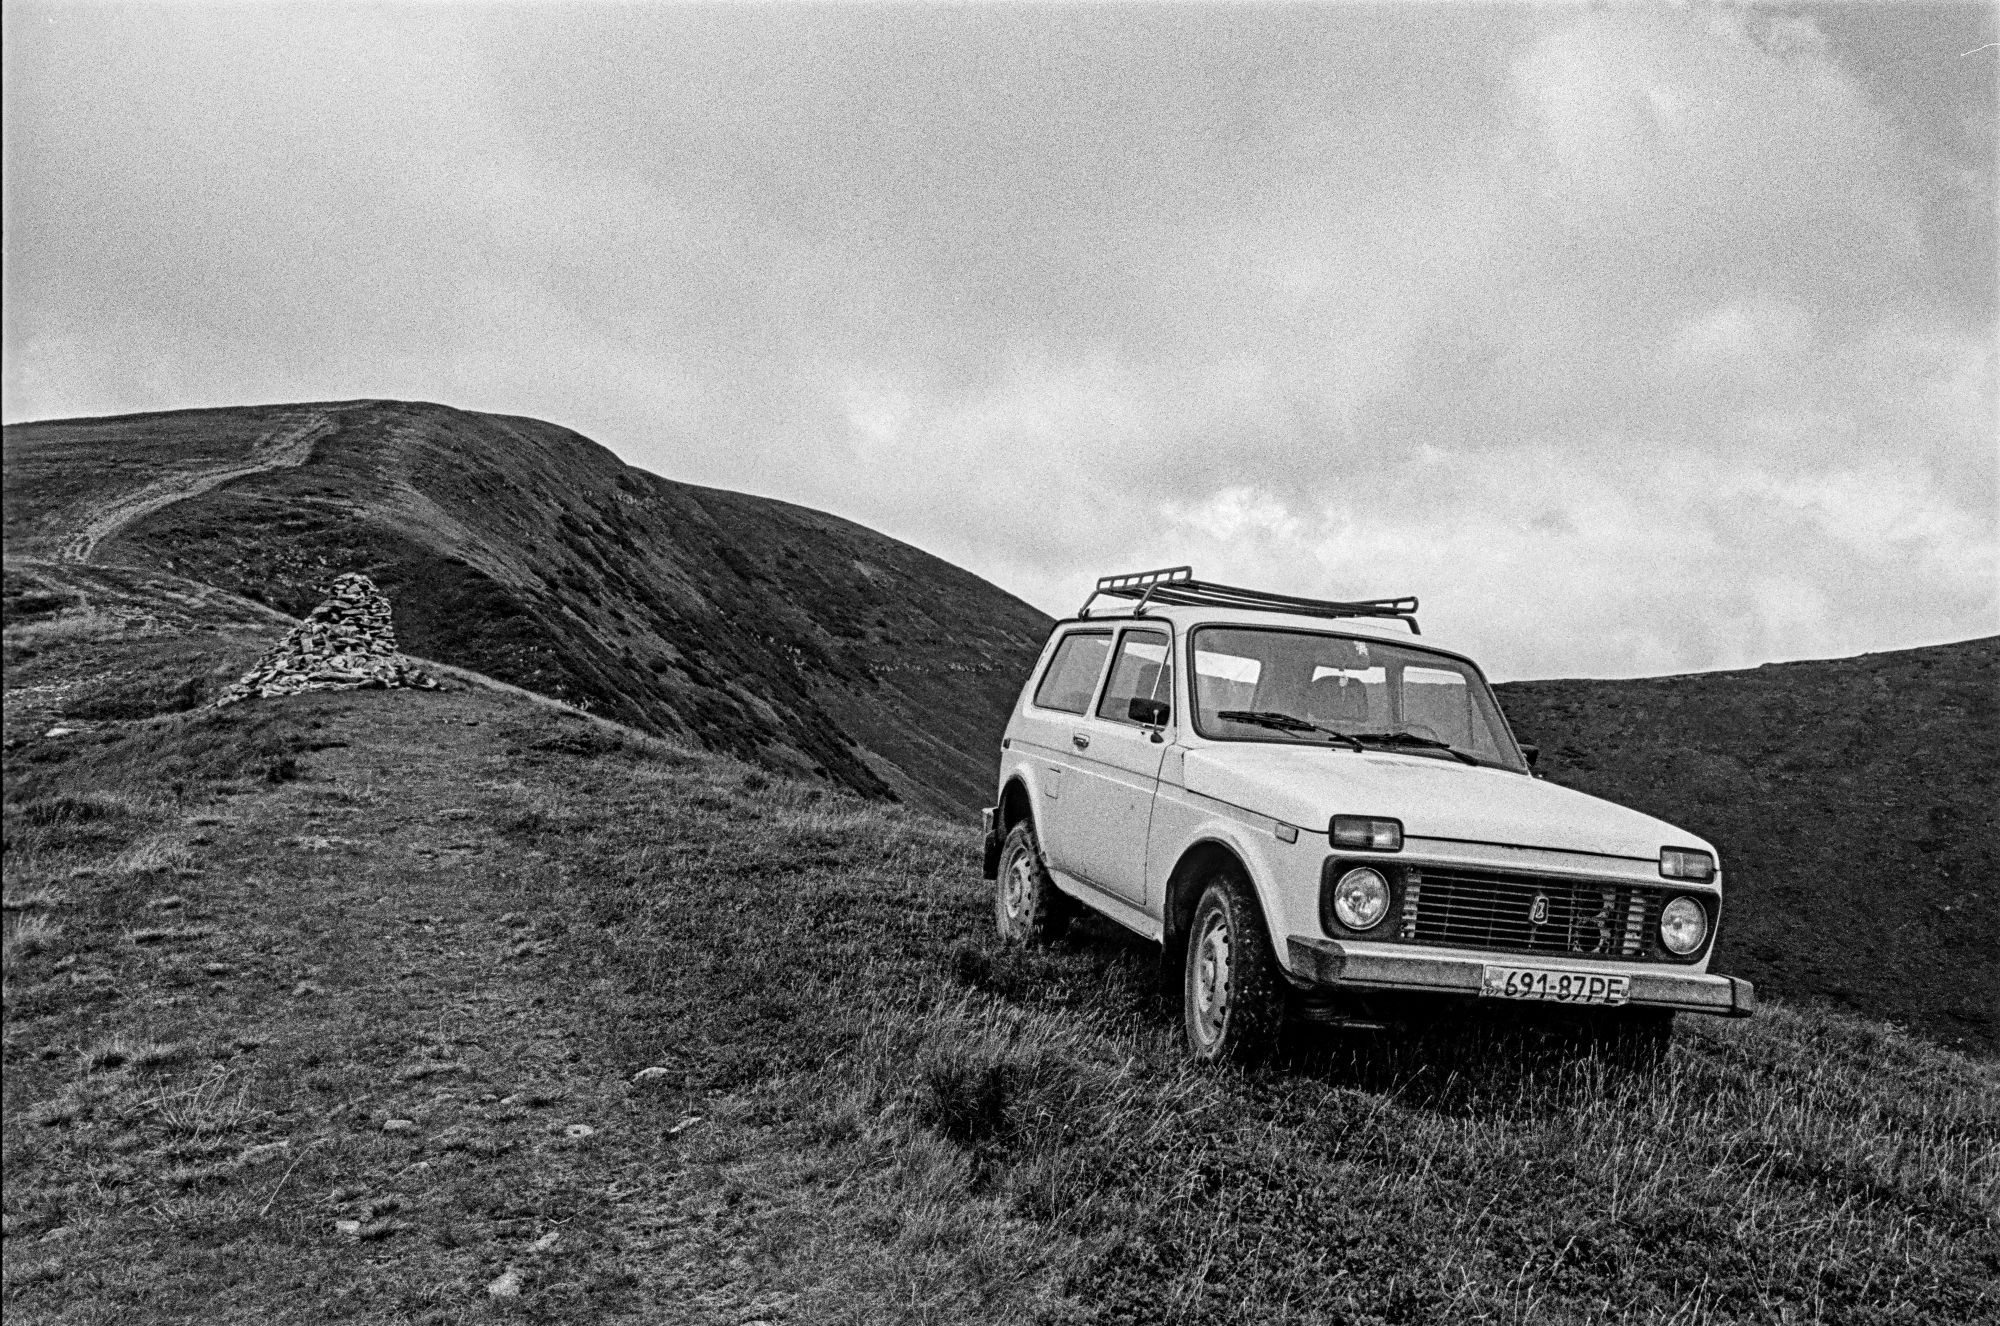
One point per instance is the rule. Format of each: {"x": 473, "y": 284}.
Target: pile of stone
{"x": 348, "y": 643}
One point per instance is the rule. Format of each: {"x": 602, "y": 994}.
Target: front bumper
{"x": 1328, "y": 962}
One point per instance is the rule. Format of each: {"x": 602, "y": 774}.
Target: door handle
{"x": 1082, "y": 742}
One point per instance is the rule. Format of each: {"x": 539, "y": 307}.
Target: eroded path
{"x": 283, "y": 448}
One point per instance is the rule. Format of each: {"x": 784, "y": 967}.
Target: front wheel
{"x": 1232, "y": 994}
{"x": 1027, "y": 905}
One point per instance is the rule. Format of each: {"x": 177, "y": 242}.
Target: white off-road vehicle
{"x": 1317, "y": 812}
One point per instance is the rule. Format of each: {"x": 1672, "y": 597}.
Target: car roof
{"x": 1186, "y": 616}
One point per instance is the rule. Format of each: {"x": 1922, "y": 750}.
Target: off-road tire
{"x": 1028, "y": 908}
{"x": 1232, "y": 994}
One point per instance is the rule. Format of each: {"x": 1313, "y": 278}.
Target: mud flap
{"x": 991, "y": 866}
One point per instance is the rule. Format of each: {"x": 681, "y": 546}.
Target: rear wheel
{"x": 1232, "y": 994}
{"x": 1027, "y": 905}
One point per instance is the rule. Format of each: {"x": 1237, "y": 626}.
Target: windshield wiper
{"x": 1271, "y": 718}
{"x": 1412, "y": 739}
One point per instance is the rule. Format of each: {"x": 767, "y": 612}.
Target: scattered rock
{"x": 399, "y": 1126}
{"x": 578, "y": 1130}
{"x": 506, "y": 1285}
{"x": 652, "y": 1074}
{"x": 61, "y": 1232}
{"x": 305, "y": 988}
{"x": 546, "y": 1241}
{"x": 216, "y": 968}
{"x": 512, "y": 919}
{"x": 347, "y": 643}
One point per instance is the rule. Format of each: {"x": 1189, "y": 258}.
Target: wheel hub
{"x": 1211, "y": 979}
{"x": 1020, "y": 885}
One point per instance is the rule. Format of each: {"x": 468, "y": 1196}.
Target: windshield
{"x": 1299, "y": 686}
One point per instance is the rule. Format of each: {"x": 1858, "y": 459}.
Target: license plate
{"x": 1561, "y": 987}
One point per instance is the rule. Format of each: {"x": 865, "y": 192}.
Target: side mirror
{"x": 1153, "y": 713}
{"x": 1532, "y": 751}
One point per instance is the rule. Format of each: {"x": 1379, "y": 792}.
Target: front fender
{"x": 1284, "y": 876}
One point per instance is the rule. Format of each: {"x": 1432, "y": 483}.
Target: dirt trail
{"x": 282, "y": 448}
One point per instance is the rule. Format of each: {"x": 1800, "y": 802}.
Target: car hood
{"x": 1305, "y": 785}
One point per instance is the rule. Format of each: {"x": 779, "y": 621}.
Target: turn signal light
{"x": 1364, "y": 834}
{"x": 1686, "y": 863}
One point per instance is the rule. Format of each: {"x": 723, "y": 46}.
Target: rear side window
{"x": 1072, "y": 674}
{"x": 1141, "y": 673}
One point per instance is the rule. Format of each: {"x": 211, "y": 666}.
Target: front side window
{"x": 1140, "y": 672}
{"x": 1302, "y": 686}
{"x": 1073, "y": 672}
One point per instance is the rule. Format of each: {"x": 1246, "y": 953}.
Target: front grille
{"x": 1463, "y": 908}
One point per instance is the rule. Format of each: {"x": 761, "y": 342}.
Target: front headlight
{"x": 1361, "y": 898}
{"x": 1683, "y": 925}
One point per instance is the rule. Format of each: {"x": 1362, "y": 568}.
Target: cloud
{"x": 1632, "y": 340}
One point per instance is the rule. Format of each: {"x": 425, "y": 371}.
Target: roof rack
{"x": 1176, "y": 585}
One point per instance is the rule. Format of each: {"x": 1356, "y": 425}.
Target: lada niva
{"x": 1315, "y": 811}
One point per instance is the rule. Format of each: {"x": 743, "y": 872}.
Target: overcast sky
{"x": 1633, "y": 341}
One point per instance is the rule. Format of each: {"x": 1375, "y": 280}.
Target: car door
{"x": 1045, "y": 730}
{"x": 1116, "y": 769}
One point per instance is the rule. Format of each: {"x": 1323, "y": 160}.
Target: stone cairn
{"x": 348, "y": 643}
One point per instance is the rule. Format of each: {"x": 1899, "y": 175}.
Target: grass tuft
{"x": 27, "y": 935}
{"x": 965, "y": 1098}
{"x": 158, "y": 856}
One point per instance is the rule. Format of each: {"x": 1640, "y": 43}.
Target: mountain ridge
{"x": 524, "y": 550}
{"x": 1836, "y": 790}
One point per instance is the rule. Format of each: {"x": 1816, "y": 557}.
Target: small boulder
{"x": 506, "y": 1285}
{"x": 652, "y": 1074}
{"x": 399, "y": 1126}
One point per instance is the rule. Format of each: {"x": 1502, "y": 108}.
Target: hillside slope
{"x": 1856, "y": 803}
{"x": 442, "y": 1007}
{"x": 527, "y": 552}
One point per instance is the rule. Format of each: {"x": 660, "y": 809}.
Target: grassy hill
{"x": 461, "y": 1006}
{"x": 1853, "y": 799}
{"x": 1856, "y": 803}
{"x": 531, "y": 554}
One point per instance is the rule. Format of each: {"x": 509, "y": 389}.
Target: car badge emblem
{"x": 1539, "y": 913}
